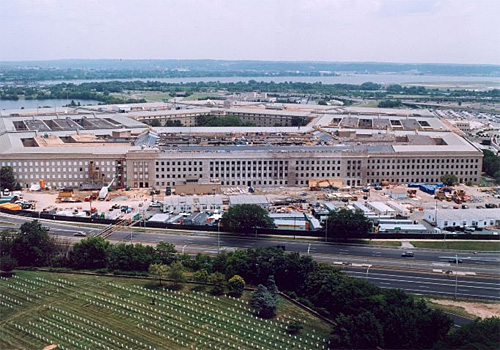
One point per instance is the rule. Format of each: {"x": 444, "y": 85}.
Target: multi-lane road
{"x": 477, "y": 277}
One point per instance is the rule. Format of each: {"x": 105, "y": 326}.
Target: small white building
{"x": 397, "y": 193}
{"x": 463, "y": 217}
{"x": 249, "y": 199}
{"x": 400, "y": 209}
{"x": 162, "y": 218}
{"x": 367, "y": 211}
{"x": 381, "y": 208}
{"x": 191, "y": 204}
{"x": 402, "y": 228}
{"x": 178, "y": 204}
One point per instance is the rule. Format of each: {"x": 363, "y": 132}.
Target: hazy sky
{"x": 443, "y": 31}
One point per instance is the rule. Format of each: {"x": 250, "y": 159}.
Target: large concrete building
{"x": 85, "y": 149}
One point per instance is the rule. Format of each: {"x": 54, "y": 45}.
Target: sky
{"x": 410, "y": 31}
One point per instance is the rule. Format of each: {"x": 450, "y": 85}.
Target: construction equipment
{"x": 103, "y": 193}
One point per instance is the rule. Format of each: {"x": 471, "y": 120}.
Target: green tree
{"x": 166, "y": 253}
{"x": 389, "y": 104}
{"x": 245, "y": 217}
{"x": 481, "y": 334}
{"x": 294, "y": 327}
{"x": 491, "y": 163}
{"x": 496, "y": 176}
{"x": 154, "y": 123}
{"x": 33, "y": 246}
{"x": 6, "y": 240}
{"x": 176, "y": 274}
{"x": 201, "y": 276}
{"x": 7, "y": 263}
{"x": 272, "y": 287}
{"x": 360, "y": 331}
{"x": 236, "y": 286}
{"x": 7, "y": 178}
{"x": 131, "y": 257}
{"x": 449, "y": 179}
{"x": 263, "y": 302}
{"x": 370, "y": 86}
{"x": 218, "y": 282}
{"x": 159, "y": 272}
{"x": 90, "y": 253}
{"x": 346, "y": 224}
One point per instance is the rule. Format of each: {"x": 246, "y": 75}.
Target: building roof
{"x": 467, "y": 214}
{"x": 380, "y": 206}
{"x": 402, "y": 227}
{"x": 248, "y": 199}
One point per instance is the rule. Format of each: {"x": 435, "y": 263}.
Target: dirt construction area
{"x": 481, "y": 310}
{"x": 48, "y": 200}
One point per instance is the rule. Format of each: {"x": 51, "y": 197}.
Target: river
{"x": 486, "y": 82}
{"x": 7, "y": 104}
{"x": 443, "y": 81}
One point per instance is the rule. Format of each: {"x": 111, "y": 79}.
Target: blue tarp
{"x": 431, "y": 189}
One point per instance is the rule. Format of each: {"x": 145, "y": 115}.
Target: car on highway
{"x": 408, "y": 254}
{"x": 46, "y": 228}
{"x": 455, "y": 261}
{"x": 80, "y": 234}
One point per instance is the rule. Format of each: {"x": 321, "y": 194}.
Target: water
{"x": 488, "y": 82}
{"x": 41, "y": 103}
{"x": 444, "y": 81}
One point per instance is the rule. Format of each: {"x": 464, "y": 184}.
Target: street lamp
{"x": 218, "y": 236}
{"x": 326, "y": 230}
{"x": 456, "y": 275}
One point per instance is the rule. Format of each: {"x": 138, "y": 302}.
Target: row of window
{"x": 428, "y": 160}
{"x": 417, "y": 180}
{"x": 184, "y": 162}
{"x": 373, "y": 173}
{"x": 55, "y": 163}
{"x": 443, "y": 166}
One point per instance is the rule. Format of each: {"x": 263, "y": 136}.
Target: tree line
{"x": 102, "y": 91}
{"x": 364, "y": 315}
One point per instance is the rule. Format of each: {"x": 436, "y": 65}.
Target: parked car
{"x": 469, "y": 229}
{"x": 408, "y": 254}
{"x": 455, "y": 261}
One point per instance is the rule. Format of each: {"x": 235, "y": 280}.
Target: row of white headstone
{"x": 153, "y": 295}
{"x": 96, "y": 325}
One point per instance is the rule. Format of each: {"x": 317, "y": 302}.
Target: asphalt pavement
{"x": 425, "y": 273}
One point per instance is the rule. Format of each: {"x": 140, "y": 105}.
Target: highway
{"x": 423, "y": 283}
{"x": 478, "y": 276}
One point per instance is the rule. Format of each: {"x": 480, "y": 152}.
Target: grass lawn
{"x": 149, "y": 96}
{"x": 95, "y": 312}
{"x": 468, "y": 245}
{"x": 199, "y": 95}
{"x": 376, "y": 243}
{"x": 385, "y": 243}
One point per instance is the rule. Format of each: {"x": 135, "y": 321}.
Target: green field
{"x": 94, "y": 312}
{"x": 385, "y": 243}
{"x": 469, "y": 245}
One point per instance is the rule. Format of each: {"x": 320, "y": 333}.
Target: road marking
{"x": 412, "y": 278}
